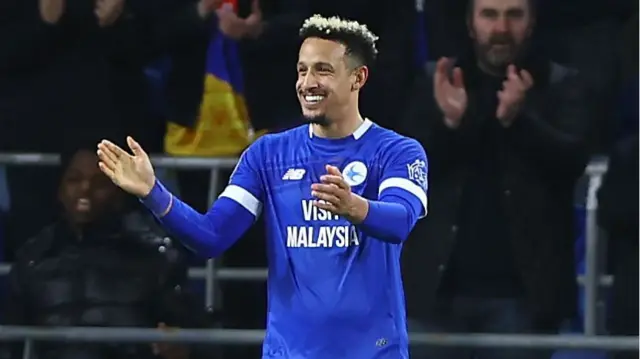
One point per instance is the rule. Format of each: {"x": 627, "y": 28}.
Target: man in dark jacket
{"x": 506, "y": 145}
{"x": 100, "y": 265}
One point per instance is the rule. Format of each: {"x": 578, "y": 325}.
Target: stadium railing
{"x": 591, "y": 281}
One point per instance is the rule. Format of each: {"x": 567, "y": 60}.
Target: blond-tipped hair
{"x": 359, "y": 41}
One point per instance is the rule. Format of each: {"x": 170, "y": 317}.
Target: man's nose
{"x": 85, "y": 186}
{"x": 501, "y": 25}
{"x": 309, "y": 82}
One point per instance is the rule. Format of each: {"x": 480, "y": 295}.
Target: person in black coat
{"x": 505, "y": 133}
{"x": 104, "y": 263}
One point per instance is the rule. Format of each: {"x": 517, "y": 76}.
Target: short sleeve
{"x": 404, "y": 173}
{"x": 245, "y": 184}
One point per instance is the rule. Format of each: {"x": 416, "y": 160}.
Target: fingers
{"x": 113, "y": 149}
{"x": 109, "y": 172}
{"x": 527, "y": 79}
{"x": 326, "y": 197}
{"x": 333, "y": 170}
{"x": 255, "y": 7}
{"x": 326, "y": 206}
{"x": 329, "y": 189}
{"x": 513, "y": 79}
{"x": 511, "y": 73}
{"x": 441, "y": 76}
{"x": 521, "y": 80}
{"x": 107, "y": 160}
{"x": 135, "y": 147}
{"x": 458, "y": 80}
{"x": 332, "y": 192}
{"x": 338, "y": 181}
{"x": 329, "y": 192}
{"x": 501, "y": 111}
{"x": 442, "y": 69}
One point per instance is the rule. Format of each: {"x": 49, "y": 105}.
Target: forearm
{"x": 389, "y": 220}
{"x": 207, "y": 234}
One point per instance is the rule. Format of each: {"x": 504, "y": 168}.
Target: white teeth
{"x": 83, "y": 204}
{"x": 313, "y": 98}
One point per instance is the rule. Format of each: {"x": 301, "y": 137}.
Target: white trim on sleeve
{"x": 243, "y": 198}
{"x": 407, "y": 185}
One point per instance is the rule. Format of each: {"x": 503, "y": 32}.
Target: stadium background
{"x": 196, "y": 144}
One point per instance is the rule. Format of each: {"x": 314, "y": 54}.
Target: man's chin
{"x": 316, "y": 119}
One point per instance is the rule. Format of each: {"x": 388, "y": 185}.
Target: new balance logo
{"x": 293, "y": 174}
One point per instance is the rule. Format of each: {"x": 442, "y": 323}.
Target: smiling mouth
{"x": 312, "y": 100}
{"x": 83, "y": 205}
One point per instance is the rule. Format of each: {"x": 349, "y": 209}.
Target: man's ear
{"x": 360, "y": 78}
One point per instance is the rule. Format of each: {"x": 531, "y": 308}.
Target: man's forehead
{"x": 83, "y": 161}
{"x": 315, "y": 50}
{"x": 500, "y": 4}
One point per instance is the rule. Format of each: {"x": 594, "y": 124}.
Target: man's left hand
{"x": 334, "y": 195}
{"x": 512, "y": 95}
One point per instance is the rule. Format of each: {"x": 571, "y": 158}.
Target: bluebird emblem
{"x": 418, "y": 173}
{"x": 355, "y": 173}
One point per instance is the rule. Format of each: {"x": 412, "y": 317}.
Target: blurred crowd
{"x": 510, "y": 98}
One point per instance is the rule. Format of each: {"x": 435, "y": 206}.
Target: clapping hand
{"x": 450, "y": 93}
{"x": 512, "y": 95}
{"x": 237, "y": 28}
{"x": 334, "y": 195}
{"x": 132, "y": 173}
{"x": 51, "y": 10}
{"x": 108, "y": 11}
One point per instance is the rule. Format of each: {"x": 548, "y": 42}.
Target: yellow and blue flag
{"x": 223, "y": 127}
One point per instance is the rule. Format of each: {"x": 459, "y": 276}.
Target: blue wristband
{"x": 158, "y": 200}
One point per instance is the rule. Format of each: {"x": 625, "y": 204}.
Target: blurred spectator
{"x": 505, "y": 130}
{"x": 69, "y": 67}
{"x": 618, "y": 216}
{"x": 101, "y": 264}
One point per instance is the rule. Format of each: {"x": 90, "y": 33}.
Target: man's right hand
{"x": 450, "y": 94}
{"x": 51, "y": 10}
{"x": 133, "y": 174}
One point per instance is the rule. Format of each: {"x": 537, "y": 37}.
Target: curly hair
{"x": 359, "y": 41}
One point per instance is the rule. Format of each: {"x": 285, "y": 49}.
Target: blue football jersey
{"x": 333, "y": 291}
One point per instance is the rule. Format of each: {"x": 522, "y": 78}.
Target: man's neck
{"x": 338, "y": 129}
{"x": 490, "y": 70}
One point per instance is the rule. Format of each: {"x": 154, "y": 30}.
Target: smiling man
{"x": 102, "y": 264}
{"x": 340, "y": 196}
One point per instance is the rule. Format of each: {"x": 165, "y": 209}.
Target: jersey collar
{"x": 359, "y": 132}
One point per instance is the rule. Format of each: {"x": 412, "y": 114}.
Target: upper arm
{"x": 245, "y": 185}
{"x": 404, "y": 174}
